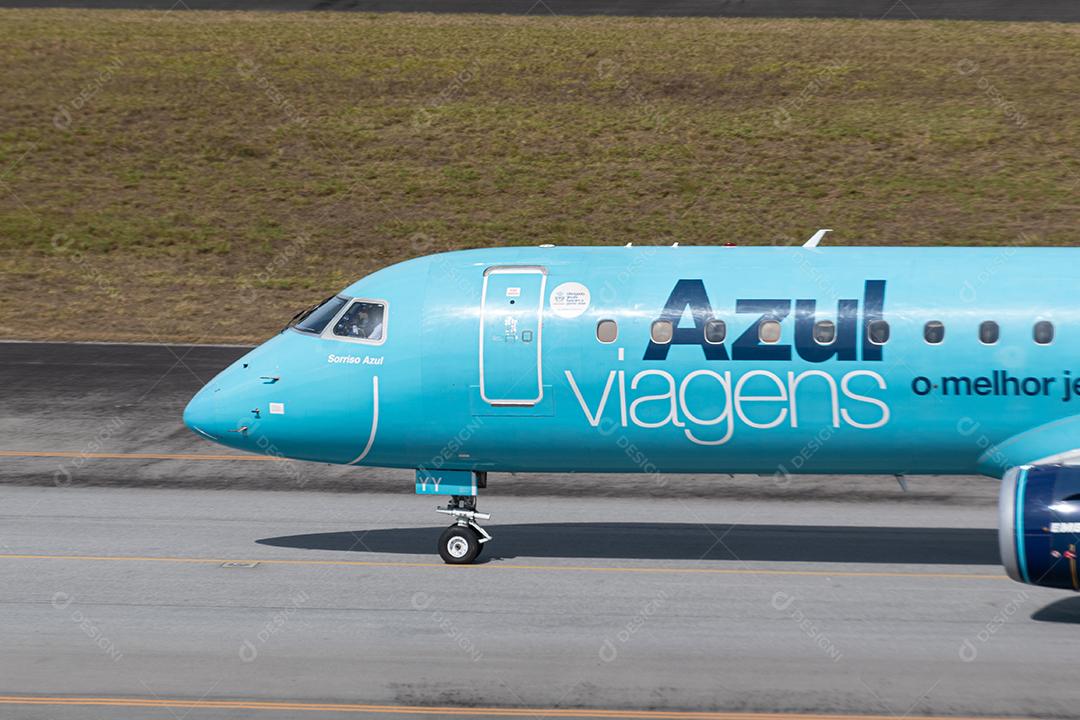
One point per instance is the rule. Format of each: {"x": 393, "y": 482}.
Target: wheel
{"x": 459, "y": 545}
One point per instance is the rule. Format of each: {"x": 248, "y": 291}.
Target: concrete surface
{"x": 817, "y": 608}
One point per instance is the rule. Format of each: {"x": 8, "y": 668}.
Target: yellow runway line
{"x": 430, "y": 710}
{"x": 503, "y": 566}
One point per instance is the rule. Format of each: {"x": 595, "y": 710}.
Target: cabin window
{"x": 824, "y": 332}
{"x": 315, "y": 318}
{"x": 769, "y": 332}
{"x": 607, "y": 331}
{"x": 363, "y": 320}
{"x": 715, "y": 332}
{"x": 878, "y": 332}
{"x": 989, "y": 333}
{"x": 662, "y": 331}
{"x": 934, "y": 332}
{"x": 1044, "y": 332}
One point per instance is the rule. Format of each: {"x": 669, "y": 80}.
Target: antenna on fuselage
{"x": 816, "y": 238}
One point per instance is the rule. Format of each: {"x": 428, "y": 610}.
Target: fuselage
{"x": 676, "y": 359}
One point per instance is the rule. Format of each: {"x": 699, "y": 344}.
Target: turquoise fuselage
{"x": 491, "y": 361}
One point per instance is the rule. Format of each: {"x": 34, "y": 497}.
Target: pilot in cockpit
{"x": 362, "y": 320}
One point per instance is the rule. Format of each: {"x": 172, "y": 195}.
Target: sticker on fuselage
{"x": 570, "y": 299}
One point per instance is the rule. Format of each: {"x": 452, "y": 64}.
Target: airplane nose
{"x": 201, "y": 414}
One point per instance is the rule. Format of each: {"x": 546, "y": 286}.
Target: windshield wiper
{"x": 298, "y": 317}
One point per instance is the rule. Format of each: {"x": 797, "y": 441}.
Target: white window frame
{"x": 761, "y": 331}
{"x": 652, "y": 337}
{"x": 870, "y": 337}
{"x": 328, "y": 332}
{"x": 705, "y": 331}
{"x": 614, "y": 322}
{"x": 1053, "y": 332}
{"x": 944, "y": 332}
{"x": 979, "y": 333}
{"x": 813, "y": 332}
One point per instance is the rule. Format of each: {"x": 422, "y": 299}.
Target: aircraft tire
{"x": 459, "y": 545}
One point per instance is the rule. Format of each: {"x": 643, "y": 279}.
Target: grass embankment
{"x": 200, "y": 176}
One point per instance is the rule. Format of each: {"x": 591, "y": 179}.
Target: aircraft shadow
{"x": 685, "y": 541}
{"x": 1066, "y": 610}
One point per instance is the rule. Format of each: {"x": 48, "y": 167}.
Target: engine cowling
{"x": 1039, "y": 525}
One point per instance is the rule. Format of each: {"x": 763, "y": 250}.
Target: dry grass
{"x": 224, "y": 169}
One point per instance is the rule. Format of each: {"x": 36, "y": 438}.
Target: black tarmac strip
{"x": 1001, "y": 10}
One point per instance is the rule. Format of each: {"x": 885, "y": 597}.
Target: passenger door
{"x": 511, "y": 326}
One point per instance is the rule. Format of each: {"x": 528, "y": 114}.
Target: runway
{"x": 259, "y": 597}
{"x": 144, "y": 573}
{"x": 1001, "y": 10}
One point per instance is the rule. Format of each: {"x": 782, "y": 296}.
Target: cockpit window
{"x": 315, "y": 318}
{"x": 363, "y": 321}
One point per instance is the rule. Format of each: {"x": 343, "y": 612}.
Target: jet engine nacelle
{"x": 1039, "y": 525}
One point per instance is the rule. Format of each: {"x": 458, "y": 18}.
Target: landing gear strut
{"x": 461, "y": 543}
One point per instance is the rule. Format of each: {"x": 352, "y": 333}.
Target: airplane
{"x": 665, "y": 359}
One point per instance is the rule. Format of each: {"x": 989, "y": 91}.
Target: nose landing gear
{"x": 461, "y": 543}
